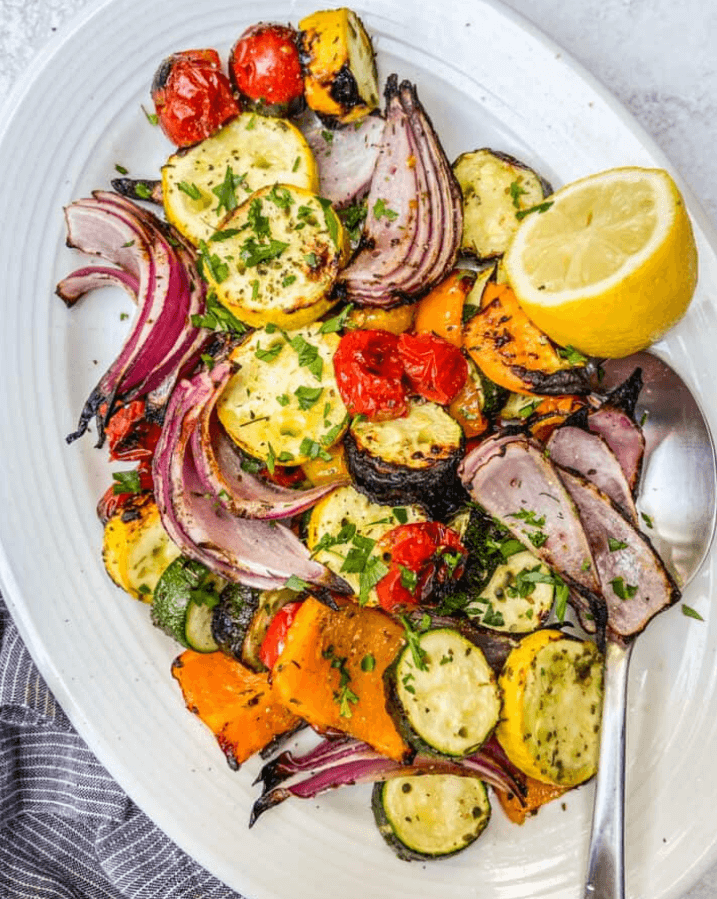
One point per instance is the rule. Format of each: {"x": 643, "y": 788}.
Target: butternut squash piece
{"x": 331, "y": 672}
{"x": 509, "y": 349}
{"x": 238, "y": 705}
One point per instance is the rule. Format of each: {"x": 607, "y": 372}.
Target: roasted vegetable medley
{"x": 367, "y": 497}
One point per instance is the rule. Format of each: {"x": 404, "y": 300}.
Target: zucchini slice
{"x": 497, "y": 189}
{"x": 283, "y": 406}
{"x": 518, "y": 597}
{"x": 277, "y": 257}
{"x": 340, "y": 76}
{"x": 198, "y": 627}
{"x": 137, "y": 549}
{"x": 242, "y": 618}
{"x": 204, "y": 183}
{"x": 444, "y": 694}
{"x": 181, "y": 585}
{"x": 342, "y": 531}
{"x": 412, "y": 459}
{"x": 429, "y": 816}
{"x": 552, "y": 701}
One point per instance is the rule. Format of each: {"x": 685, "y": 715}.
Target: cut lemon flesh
{"x": 610, "y": 265}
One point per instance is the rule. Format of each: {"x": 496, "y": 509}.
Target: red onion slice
{"x": 258, "y": 553}
{"x": 162, "y": 341}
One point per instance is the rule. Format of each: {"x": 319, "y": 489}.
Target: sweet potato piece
{"x": 331, "y": 672}
{"x": 238, "y": 705}
{"x": 511, "y": 351}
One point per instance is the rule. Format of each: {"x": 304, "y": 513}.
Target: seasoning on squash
{"x": 320, "y": 675}
{"x": 238, "y": 705}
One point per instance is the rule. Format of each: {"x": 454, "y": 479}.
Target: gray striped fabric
{"x": 67, "y": 830}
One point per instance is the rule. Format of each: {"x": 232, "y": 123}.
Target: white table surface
{"x": 657, "y": 56}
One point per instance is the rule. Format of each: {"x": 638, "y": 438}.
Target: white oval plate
{"x": 486, "y": 79}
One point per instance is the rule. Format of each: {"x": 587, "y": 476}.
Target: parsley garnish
{"x": 226, "y": 191}
{"x": 253, "y": 253}
{"x": 126, "y": 482}
{"x": 212, "y": 264}
{"x": 344, "y": 696}
{"x": 540, "y": 208}
{"x": 191, "y": 190}
{"x": 516, "y": 192}
{"x": 689, "y": 612}
{"x": 381, "y": 210}
{"x": 614, "y": 545}
{"x": 297, "y": 584}
{"x": 413, "y": 639}
{"x": 308, "y": 396}
{"x": 623, "y": 590}
{"x": 217, "y": 317}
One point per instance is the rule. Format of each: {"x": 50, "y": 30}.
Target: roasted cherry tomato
{"x": 264, "y": 67}
{"x": 115, "y": 498}
{"x": 130, "y": 436}
{"x": 273, "y": 642}
{"x": 369, "y": 374}
{"x": 193, "y": 98}
{"x": 435, "y": 369}
{"x": 423, "y": 556}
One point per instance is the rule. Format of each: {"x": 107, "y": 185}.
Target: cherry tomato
{"x": 130, "y": 436}
{"x": 114, "y": 499}
{"x": 265, "y": 68}
{"x": 423, "y": 555}
{"x": 193, "y": 98}
{"x": 273, "y": 642}
{"x": 369, "y": 374}
{"x": 435, "y": 368}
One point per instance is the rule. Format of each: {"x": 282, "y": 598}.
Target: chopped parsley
{"x": 191, "y": 190}
{"x": 217, "y": 317}
{"x": 344, "y": 695}
{"x": 126, "y": 482}
{"x": 381, "y": 210}
{"x": 623, "y": 590}
{"x": 539, "y": 208}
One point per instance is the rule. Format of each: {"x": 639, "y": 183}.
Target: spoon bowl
{"x": 677, "y": 508}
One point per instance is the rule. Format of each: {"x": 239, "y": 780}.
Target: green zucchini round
{"x": 409, "y": 460}
{"x": 429, "y": 816}
{"x": 443, "y": 694}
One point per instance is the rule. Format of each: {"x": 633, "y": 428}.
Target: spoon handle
{"x": 606, "y": 859}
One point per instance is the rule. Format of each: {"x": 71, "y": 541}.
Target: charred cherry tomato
{"x": 264, "y": 67}
{"x": 114, "y": 498}
{"x": 369, "y": 374}
{"x": 193, "y": 98}
{"x": 435, "y": 368}
{"x": 275, "y": 637}
{"x": 423, "y": 555}
{"x": 130, "y": 436}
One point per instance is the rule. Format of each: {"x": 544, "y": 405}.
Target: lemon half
{"x": 610, "y": 265}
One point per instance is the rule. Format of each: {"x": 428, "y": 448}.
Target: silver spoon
{"x": 678, "y": 497}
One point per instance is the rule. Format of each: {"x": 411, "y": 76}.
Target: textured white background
{"x": 657, "y": 56}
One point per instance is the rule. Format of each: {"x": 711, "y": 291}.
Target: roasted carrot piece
{"x": 507, "y": 346}
{"x": 331, "y": 672}
{"x": 238, "y": 705}
{"x": 441, "y": 310}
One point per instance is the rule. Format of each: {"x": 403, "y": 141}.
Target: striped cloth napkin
{"x": 67, "y": 830}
